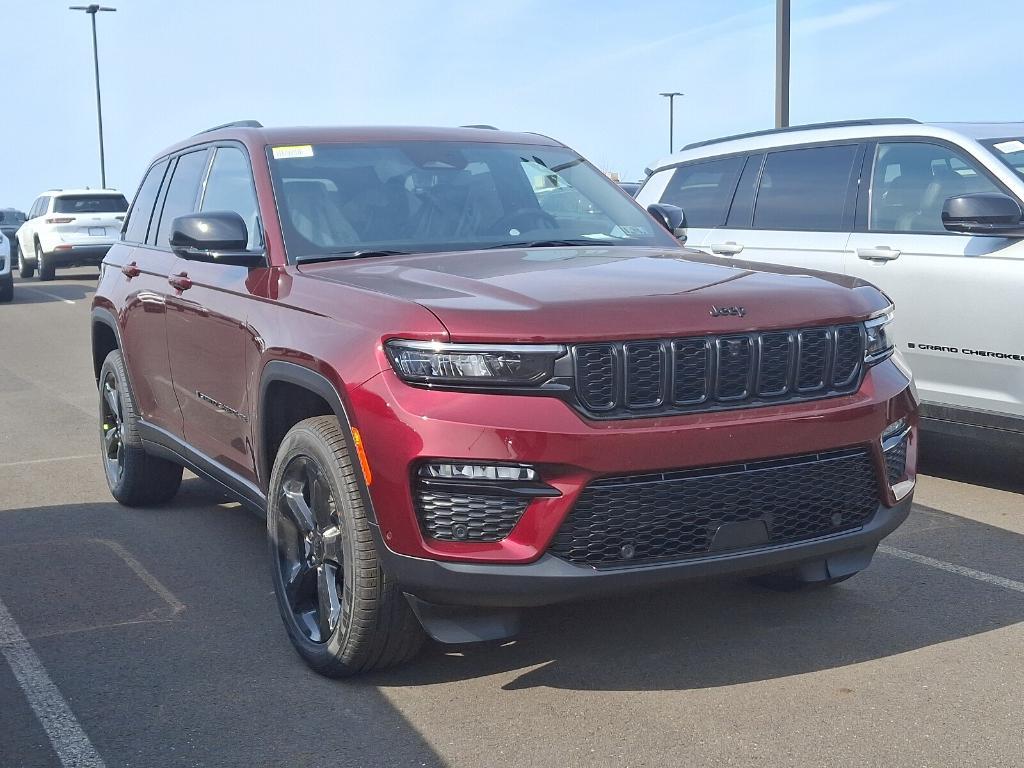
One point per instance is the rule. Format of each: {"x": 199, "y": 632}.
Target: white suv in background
{"x": 69, "y": 228}
{"x": 931, "y": 214}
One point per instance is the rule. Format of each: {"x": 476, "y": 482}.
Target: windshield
{"x": 415, "y": 196}
{"x": 1010, "y": 151}
{"x": 90, "y": 204}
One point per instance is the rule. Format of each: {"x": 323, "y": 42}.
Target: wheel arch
{"x": 272, "y": 423}
{"x": 106, "y": 337}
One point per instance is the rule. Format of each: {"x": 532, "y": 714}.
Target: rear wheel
{"x": 7, "y": 287}
{"x": 343, "y": 614}
{"x": 25, "y": 267}
{"x": 46, "y": 269}
{"x": 134, "y": 477}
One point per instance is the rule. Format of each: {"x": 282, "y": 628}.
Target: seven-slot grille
{"x": 676, "y": 515}
{"x": 710, "y": 372}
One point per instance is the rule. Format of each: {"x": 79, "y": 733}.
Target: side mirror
{"x": 671, "y": 217}
{"x": 983, "y": 213}
{"x": 217, "y": 237}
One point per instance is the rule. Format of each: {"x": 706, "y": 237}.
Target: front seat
{"x": 312, "y": 214}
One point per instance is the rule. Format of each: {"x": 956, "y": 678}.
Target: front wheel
{"x": 25, "y": 267}
{"x": 134, "y": 477}
{"x": 7, "y": 288}
{"x": 343, "y": 614}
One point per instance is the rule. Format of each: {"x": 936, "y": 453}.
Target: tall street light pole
{"x": 781, "y": 63}
{"x": 92, "y": 10}
{"x": 671, "y": 96}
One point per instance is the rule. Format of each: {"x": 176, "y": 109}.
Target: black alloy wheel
{"x": 111, "y": 428}
{"x": 310, "y": 549}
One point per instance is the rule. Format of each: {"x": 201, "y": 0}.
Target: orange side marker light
{"x": 361, "y": 452}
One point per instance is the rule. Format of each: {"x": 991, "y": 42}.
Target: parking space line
{"x": 960, "y": 570}
{"x": 26, "y": 462}
{"x": 45, "y": 293}
{"x": 148, "y": 578}
{"x": 69, "y": 741}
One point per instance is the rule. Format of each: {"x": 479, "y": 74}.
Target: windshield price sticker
{"x": 286, "y": 153}
{"x": 1006, "y": 147}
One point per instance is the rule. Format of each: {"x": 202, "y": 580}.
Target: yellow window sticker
{"x": 285, "y": 153}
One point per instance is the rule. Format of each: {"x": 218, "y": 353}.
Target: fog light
{"x": 894, "y": 429}
{"x": 459, "y": 471}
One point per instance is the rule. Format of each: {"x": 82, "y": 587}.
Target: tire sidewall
{"x": 133, "y": 451}
{"x": 304, "y": 442}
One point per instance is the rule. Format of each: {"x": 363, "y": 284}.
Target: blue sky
{"x": 587, "y": 73}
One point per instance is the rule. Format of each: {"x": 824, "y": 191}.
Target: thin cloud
{"x": 847, "y": 17}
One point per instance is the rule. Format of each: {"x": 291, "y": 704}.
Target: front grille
{"x": 896, "y": 462}
{"x": 676, "y": 515}
{"x": 615, "y": 379}
{"x": 454, "y": 516}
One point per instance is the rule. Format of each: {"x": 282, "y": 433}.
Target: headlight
{"x": 879, "y": 343}
{"x": 485, "y": 365}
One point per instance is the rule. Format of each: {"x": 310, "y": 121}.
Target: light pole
{"x": 781, "y": 63}
{"x": 671, "y": 96}
{"x": 92, "y": 10}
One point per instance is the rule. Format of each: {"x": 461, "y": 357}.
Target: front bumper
{"x": 403, "y": 425}
{"x": 552, "y": 580}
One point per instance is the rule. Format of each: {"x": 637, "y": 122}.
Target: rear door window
{"x": 805, "y": 189}
{"x": 704, "y": 190}
{"x": 182, "y": 191}
{"x": 142, "y": 209}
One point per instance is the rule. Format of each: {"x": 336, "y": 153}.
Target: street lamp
{"x": 92, "y": 10}
{"x": 671, "y": 96}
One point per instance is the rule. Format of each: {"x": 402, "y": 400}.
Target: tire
{"x": 792, "y": 581}
{"x": 25, "y": 268}
{"x": 342, "y": 612}
{"x": 46, "y": 270}
{"x": 6, "y": 288}
{"x": 134, "y": 477}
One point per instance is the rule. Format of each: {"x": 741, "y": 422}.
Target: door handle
{"x": 880, "y": 253}
{"x": 180, "y": 282}
{"x": 726, "y": 249}
{"x": 131, "y": 270}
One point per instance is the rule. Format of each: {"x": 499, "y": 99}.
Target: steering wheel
{"x": 524, "y": 219}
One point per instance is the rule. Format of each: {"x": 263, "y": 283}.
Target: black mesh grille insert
{"x": 644, "y": 374}
{"x": 453, "y": 516}
{"x": 896, "y": 462}
{"x": 682, "y": 375}
{"x": 675, "y": 515}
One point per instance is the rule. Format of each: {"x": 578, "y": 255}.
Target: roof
{"x": 83, "y": 191}
{"x": 854, "y": 129}
{"x": 359, "y": 134}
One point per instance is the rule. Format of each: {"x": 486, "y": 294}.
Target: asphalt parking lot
{"x": 150, "y": 637}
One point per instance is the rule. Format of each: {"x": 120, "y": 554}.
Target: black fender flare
{"x": 105, "y": 317}
{"x": 307, "y": 378}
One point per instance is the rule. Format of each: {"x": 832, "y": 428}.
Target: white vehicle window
{"x": 912, "y": 180}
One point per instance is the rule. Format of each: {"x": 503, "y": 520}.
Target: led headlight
{"x": 516, "y": 365}
{"x": 879, "y": 343}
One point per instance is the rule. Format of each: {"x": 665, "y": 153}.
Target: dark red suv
{"x": 463, "y": 373}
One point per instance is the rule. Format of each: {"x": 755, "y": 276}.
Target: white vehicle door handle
{"x": 726, "y": 249}
{"x": 880, "y": 253}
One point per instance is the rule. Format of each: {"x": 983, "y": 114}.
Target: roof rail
{"x": 485, "y": 127}
{"x": 235, "y": 124}
{"x": 807, "y": 127}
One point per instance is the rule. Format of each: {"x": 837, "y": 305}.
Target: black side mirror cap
{"x": 216, "y": 237}
{"x": 983, "y": 213}
{"x": 671, "y": 217}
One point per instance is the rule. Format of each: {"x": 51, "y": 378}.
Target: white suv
{"x": 931, "y": 214}
{"x": 69, "y": 228}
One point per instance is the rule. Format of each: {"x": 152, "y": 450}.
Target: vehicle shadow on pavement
{"x": 218, "y": 684}
{"x": 28, "y": 291}
{"x": 704, "y": 635}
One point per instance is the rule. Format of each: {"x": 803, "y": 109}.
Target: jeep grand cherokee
{"x": 462, "y": 373}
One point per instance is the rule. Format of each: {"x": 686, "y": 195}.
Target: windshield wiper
{"x": 338, "y": 255}
{"x": 552, "y": 243}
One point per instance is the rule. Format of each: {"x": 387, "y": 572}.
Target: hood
{"x": 592, "y": 293}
